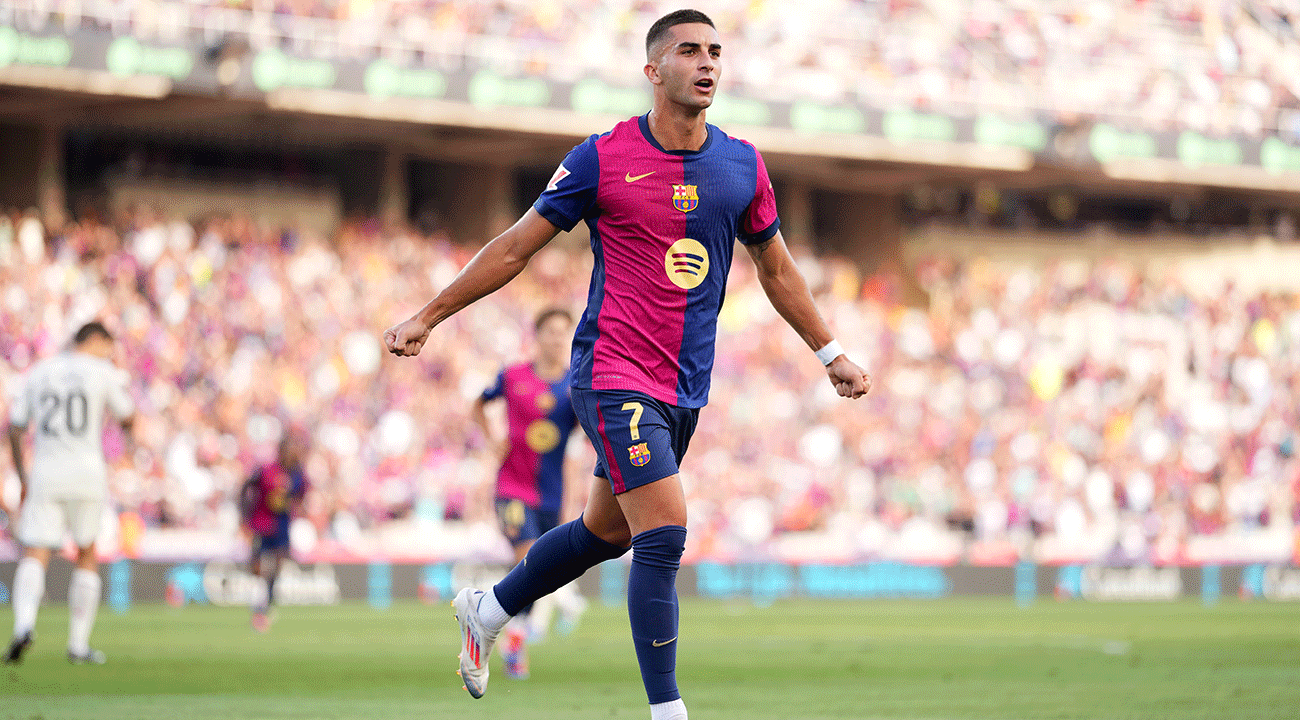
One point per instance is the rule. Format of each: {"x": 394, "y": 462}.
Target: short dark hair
{"x": 549, "y": 313}
{"x": 90, "y": 330}
{"x": 676, "y": 17}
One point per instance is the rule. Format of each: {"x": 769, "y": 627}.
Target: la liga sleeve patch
{"x": 561, "y": 172}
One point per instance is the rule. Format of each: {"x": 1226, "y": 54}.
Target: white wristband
{"x": 831, "y": 351}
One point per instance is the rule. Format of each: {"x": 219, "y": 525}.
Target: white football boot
{"x": 476, "y": 642}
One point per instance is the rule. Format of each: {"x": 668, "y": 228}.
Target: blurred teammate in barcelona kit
{"x": 665, "y": 197}
{"x": 269, "y": 500}
{"x": 530, "y": 485}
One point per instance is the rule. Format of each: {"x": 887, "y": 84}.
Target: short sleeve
{"x": 251, "y": 489}
{"x": 571, "y": 193}
{"x": 20, "y": 410}
{"x": 760, "y": 221}
{"x": 119, "y": 394}
{"x": 498, "y": 388}
{"x": 568, "y": 388}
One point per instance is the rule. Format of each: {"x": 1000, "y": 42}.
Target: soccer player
{"x": 664, "y": 195}
{"x": 530, "y": 485}
{"x": 269, "y": 499}
{"x": 65, "y": 397}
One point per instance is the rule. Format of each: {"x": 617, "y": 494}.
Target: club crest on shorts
{"x": 686, "y": 197}
{"x": 639, "y": 454}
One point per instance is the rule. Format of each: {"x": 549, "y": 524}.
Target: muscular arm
{"x": 788, "y": 292}
{"x": 298, "y": 498}
{"x": 128, "y": 434}
{"x": 16, "y": 448}
{"x": 479, "y": 416}
{"x": 248, "y": 498}
{"x": 495, "y": 265}
{"x": 786, "y": 288}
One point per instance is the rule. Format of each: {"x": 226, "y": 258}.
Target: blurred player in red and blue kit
{"x": 269, "y": 499}
{"x": 664, "y": 196}
{"x": 530, "y": 485}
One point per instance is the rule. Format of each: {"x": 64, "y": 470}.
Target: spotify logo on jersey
{"x": 687, "y": 263}
{"x": 542, "y": 436}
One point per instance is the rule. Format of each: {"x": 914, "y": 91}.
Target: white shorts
{"x": 42, "y": 522}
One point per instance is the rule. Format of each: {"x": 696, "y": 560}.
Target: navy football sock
{"x": 652, "y": 608}
{"x": 270, "y": 590}
{"x": 559, "y": 557}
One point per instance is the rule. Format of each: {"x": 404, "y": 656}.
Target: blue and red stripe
{"x": 611, "y": 460}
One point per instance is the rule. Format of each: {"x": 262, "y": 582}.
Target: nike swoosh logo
{"x": 633, "y": 178}
{"x": 661, "y": 643}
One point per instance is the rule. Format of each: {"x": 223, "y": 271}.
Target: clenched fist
{"x": 850, "y": 381}
{"x": 406, "y": 338}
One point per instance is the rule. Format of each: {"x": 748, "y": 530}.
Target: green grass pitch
{"x": 933, "y": 660}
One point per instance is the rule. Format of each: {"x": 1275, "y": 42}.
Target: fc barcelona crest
{"x": 686, "y": 197}
{"x": 639, "y": 454}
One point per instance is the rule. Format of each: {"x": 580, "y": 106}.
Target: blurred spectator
{"x": 1072, "y": 409}
{"x": 1230, "y": 67}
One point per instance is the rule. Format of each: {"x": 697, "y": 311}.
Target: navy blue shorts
{"x": 638, "y": 439}
{"x": 522, "y": 523}
{"x": 270, "y": 543}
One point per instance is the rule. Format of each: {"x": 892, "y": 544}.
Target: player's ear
{"x": 652, "y": 73}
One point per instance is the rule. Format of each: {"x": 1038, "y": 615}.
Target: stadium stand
{"x": 1226, "y": 72}
{"x": 1062, "y": 237}
{"x": 1179, "y": 448}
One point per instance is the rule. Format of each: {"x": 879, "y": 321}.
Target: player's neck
{"x": 548, "y": 370}
{"x": 676, "y": 128}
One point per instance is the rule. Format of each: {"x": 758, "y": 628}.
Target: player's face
{"x": 553, "y": 339}
{"x": 689, "y": 65}
{"x": 293, "y": 448}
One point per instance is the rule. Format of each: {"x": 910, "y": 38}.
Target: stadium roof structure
{"x": 52, "y": 75}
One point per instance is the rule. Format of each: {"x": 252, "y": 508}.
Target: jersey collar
{"x": 644, "y": 123}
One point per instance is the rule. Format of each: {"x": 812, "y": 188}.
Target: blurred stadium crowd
{"x": 1224, "y": 67}
{"x": 1073, "y": 409}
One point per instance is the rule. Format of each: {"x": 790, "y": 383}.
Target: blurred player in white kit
{"x": 63, "y": 401}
